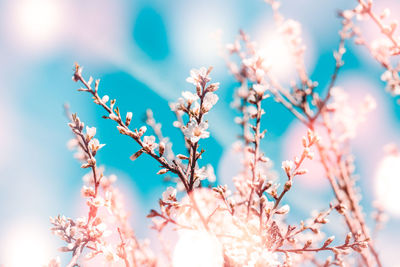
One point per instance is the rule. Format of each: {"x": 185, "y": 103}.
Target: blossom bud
{"x": 162, "y": 171}
{"x": 304, "y": 140}
{"x": 161, "y": 148}
{"x": 212, "y": 87}
{"x": 283, "y": 210}
{"x": 87, "y": 191}
{"x": 288, "y": 185}
{"x": 92, "y": 161}
{"x": 142, "y": 130}
{"x": 128, "y": 118}
{"x": 308, "y": 244}
{"x": 259, "y": 89}
{"x": 348, "y": 238}
{"x": 105, "y": 99}
{"x": 348, "y": 14}
{"x": 328, "y": 241}
{"x": 122, "y": 130}
{"x": 113, "y": 116}
{"x": 287, "y": 166}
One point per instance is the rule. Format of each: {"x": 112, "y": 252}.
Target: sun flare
{"x": 27, "y": 246}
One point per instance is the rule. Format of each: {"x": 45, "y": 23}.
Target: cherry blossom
{"x": 169, "y": 194}
{"x": 194, "y": 131}
{"x": 189, "y": 97}
{"x": 149, "y": 143}
{"x": 209, "y": 101}
{"x": 199, "y": 77}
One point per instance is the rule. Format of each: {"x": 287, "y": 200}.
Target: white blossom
{"x": 233, "y": 48}
{"x": 90, "y": 132}
{"x": 95, "y": 145}
{"x": 196, "y": 108}
{"x": 381, "y": 50}
{"x": 252, "y": 111}
{"x": 206, "y": 172}
{"x": 260, "y": 89}
{"x": 210, "y": 99}
{"x": 189, "y": 97}
{"x": 291, "y": 28}
{"x": 283, "y": 210}
{"x": 105, "y": 99}
{"x": 113, "y": 116}
{"x": 287, "y": 165}
{"x": 213, "y": 87}
{"x": 149, "y": 143}
{"x": 142, "y": 130}
{"x": 392, "y": 82}
{"x": 348, "y": 116}
{"x": 386, "y": 76}
{"x": 128, "y": 118}
{"x": 199, "y": 77}
{"x": 348, "y": 14}
{"x": 195, "y": 131}
{"x": 169, "y": 194}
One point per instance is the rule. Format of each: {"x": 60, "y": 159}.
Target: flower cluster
{"x": 106, "y": 212}
{"x": 386, "y": 47}
{"x": 331, "y": 116}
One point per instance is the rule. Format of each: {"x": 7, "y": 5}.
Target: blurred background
{"x": 142, "y": 51}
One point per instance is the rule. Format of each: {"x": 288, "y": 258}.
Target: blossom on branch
{"x": 195, "y": 131}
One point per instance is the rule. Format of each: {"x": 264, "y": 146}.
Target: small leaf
{"x": 182, "y": 157}
{"x": 136, "y": 155}
{"x": 64, "y": 249}
{"x": 85, "y": 165}
{"x": 162, "y": 171}
{"x": 152, "y": 214}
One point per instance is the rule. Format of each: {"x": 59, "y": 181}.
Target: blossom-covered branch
{"x": 91, "y": 232}
{"x": 312, "y": 110}
{"x": 384, "y": 49}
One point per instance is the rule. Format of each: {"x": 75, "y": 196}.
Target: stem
{"x": 76, "y": 255}
{"x": 379, "y": 23}
{"x": 297, "y": 250}
{"x": 334, "y": 76}
{"x": 256, "y": 154}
